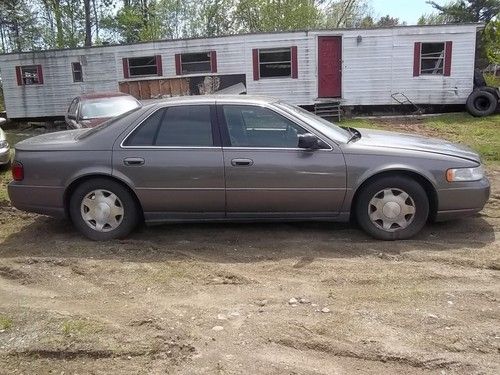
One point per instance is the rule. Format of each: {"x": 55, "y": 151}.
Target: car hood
{"x": 48, "y": 141}
{"x": 404, "y": 141}
{"x": 92, "y": 122}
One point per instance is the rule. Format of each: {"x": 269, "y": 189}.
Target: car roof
{"x": 98, "y": 95}
{"x": 212, "y": 99}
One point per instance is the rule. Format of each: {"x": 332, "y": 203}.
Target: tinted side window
{"x": 251, "y": 126}
{"x": 145, "y": 134}
{"x": 186, "y": 126}
{"x": 72, "y": 107}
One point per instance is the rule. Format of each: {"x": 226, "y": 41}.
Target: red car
{"x": 93, "y": 109}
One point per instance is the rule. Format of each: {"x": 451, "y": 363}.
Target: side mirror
{"x": 2, "y": 121}
{"x": 71, "y": 116}
{"x": 309, "y": 141}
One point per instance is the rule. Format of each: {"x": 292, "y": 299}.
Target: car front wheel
{"x": 392, "y": 208}
{"x": 103, "y": 209}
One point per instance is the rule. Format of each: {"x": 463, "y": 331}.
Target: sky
{"x": 406, "y": 10}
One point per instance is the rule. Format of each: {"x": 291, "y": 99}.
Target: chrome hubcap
{"x": 102, "y": 210}
{"x": 391, "y": 209}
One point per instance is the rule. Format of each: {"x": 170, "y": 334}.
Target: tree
{"x": 276, "y": 15}
{"x": 387, "y": 21}
{"x": 433, "y": 19}
{"x": 491, "y": 37}
{"x": 469, "y": 10}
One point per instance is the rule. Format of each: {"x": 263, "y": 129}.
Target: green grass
{"x": 491, "y": 80}
{"x": 79, "y": 327}
{"x": 481, "y": 134}
{"x": 5, "y": 322}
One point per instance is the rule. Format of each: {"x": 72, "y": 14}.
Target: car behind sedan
{"x": 243, "y": 158}
{"x": 4, "y": 147}
{"x": 93, "y": 109}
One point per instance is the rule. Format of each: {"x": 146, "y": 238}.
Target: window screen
{"x": 251, "y": 126}
{"x": 432, "y": 58}
{"x": 142, "y": 66}
{"x": 30, "y": 75}
{"x": 275, "y": 62}
{"x": 196, "y": 63}
{"x": 76, "y": 67}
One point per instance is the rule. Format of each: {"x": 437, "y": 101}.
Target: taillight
{"x": 17, "y": 171}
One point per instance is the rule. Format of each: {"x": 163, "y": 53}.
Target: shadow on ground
{"x": 238, "y": 242}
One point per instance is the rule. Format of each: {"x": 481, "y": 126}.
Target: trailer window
{"x": 196, "y": 62}
{"x": 29, "y": 75}
{"x": 276, "y": 62}
{"x": 142, "y": 66}
{"x": 432, "y": 58}
{"x": 76, "y": 68}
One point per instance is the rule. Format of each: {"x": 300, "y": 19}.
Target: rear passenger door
{"x": 174, "y": 161}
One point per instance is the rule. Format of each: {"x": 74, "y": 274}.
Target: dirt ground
{"x": 218, "y": 299}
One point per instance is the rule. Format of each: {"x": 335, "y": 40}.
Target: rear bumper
{"x": 464, "y": 200}
{"x": 45, "y": 200}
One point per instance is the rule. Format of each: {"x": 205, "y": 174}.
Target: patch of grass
{"x": 481, "y": 134}
{"x": 5, "y": 322}
{"x": 491, "y": 80}
{"x": 79, "y": 327}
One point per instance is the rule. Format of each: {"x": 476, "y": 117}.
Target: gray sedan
{"x": 239, "y": 159}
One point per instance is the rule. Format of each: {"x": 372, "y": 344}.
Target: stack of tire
{"x": 483, "y": 101}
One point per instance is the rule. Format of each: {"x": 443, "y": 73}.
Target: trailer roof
{"x": 478, "y": 25}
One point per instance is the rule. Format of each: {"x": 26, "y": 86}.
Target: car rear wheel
{"x": 102, "y": 209}
{"x": 392, "y": 208}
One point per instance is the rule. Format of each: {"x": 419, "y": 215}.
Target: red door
{"x": 329, "y": 66}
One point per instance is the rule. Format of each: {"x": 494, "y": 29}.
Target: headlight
{"x": 465, "y": 174}
{"x": 4, "y": 144}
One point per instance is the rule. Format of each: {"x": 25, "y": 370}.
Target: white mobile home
{"x": 358, "y": 67}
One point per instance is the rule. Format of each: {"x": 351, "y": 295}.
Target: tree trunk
{"x": 88, "y": 24}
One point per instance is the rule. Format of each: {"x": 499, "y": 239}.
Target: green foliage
{"x": 469, "y": 10}
{"x": 491, "y": 39}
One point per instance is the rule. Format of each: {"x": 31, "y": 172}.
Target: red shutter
{"x": 416, "y": 59}
{"x": 40, "y": 74}
{"x": 19, "y": 76}
{"x": 255, "y": 57}
{"x": 178, "y": 67}
{"x": 295, "y": 71}
{"x": 159, "y": 66}
{"x": 447, "y": 58}
{"x": 125, "y": 68}
{"x": 213, "y": 61}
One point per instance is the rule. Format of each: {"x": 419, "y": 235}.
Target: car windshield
{"x": 107, "y": 107}
{"x": 331, "y": 130}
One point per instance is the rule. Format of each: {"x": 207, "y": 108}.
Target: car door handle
{"x": 241, "y": 162}
{"x": 133, "y": 161}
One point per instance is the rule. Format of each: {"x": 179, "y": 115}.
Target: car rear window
{"x": 107, "y": 107}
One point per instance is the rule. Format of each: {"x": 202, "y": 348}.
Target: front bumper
{"x": 462, "y": 199}
{"x": 4, "y": 155}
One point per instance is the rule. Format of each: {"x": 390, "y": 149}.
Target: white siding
{"x": 382, "y": 64}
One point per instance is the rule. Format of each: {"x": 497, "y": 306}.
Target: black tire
{"x": 415, "y": 191}
{"x": 491, "y": 90}
{"x": 129, "y": 219}
{"x": 481, "y": 103}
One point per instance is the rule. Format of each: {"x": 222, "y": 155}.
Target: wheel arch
{"x": 79, "y": 180}
{"x": 423, "y": 180}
